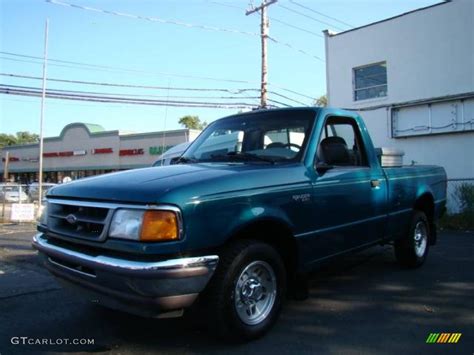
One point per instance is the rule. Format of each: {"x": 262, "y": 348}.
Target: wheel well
{"x": 275, "y": 233}
{"x": 425, "y": 203}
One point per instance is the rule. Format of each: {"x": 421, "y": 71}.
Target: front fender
{"x": 212, "y": 223}
{"x": 258, "y": 214}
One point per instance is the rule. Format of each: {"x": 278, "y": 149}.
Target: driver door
{"x": 349, "y": 197}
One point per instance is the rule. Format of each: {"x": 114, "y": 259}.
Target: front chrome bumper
{"x": 147, "y": 288}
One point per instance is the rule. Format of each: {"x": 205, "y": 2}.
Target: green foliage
{"x": 192, "y": 122}
{"x": 464, "y": 193}
{"x": 6, "y": 139}
{"x": 23, "y": 137}
{"x": 464, "y": 220}
{"x": 321, "y": 101}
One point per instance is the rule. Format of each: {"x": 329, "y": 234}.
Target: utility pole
{"x": 43, "y": 97}
{"x": 5, "y": 166}
{"x": 5, "y": 179}
{"x": 264, "y": 36}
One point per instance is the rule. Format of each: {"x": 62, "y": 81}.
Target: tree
{"x": 192, "y": 122}
{"x": 23, "y": 137}
{"x": 7, "y": 139}
{"x": 321, "y": 101}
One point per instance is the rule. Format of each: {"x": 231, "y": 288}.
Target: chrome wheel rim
{"x": 255, "y": 292}
{"x": 421, "y": 239}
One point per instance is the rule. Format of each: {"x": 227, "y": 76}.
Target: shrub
{"x": 464, "y": 220}
{"x": 464, "y": 192}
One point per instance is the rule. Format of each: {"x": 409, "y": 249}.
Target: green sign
{"x": 159, "y": 150}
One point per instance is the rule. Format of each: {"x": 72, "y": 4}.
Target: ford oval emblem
{"x": 71, "y": 219}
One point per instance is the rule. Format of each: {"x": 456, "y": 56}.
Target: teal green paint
{"x": 340, "y": 211}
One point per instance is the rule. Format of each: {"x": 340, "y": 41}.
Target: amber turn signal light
{"x": 159, "y": 226}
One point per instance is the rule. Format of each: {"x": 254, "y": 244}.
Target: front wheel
{"x": 411, "y": 251}
{"x": 246, "y": 293}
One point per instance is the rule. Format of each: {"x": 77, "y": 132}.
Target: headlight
{"x": 126, "y": 224}
{"x": 149, "y": 225}
{"x": 43, "y": 214}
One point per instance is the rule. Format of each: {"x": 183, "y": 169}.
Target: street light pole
{"x": 43, "y": 97}
{"x": 264, "y": 36}
{"x": 5, "y": 179}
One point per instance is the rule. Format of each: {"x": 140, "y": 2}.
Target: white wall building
{"x": 84, "y": 149}
{"x": 411, "y": 77}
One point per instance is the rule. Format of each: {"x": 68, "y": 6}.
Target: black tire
{"x": 221, "y": 292}
{"x": 408, "y": 250}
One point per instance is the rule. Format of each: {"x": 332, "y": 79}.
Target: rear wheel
{"x": 411, "y": 251}
{"x": 246, "y": 293}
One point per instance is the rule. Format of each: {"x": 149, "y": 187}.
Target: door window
{"x": 341, "y": 143}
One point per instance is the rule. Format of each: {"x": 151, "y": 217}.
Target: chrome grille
{"x": 78, "y": 219}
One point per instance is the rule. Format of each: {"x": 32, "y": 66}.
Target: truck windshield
{"x": 265, "y": 137}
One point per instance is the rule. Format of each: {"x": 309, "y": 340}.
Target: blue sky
{"x": 153, "y": 48}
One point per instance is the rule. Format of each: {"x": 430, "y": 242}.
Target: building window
{"x": 370, "y": 81}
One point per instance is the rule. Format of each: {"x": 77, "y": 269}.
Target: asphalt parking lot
{"x": 362, "y": 304}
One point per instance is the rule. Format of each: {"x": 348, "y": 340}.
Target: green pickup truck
{"x": 234, "y": 224}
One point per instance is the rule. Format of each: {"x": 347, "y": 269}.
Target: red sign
{"x": 138, "y": 151}
{"x": 51, "y": 155}
{"x": 68, "y": 153}
{"x": 102, "y": 151}
{"x": 12, "y": 159}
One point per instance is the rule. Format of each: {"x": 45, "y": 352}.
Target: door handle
{"x": 375, "y": 183}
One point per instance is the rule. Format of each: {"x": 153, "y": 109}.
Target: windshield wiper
{"x": 182, "y": 159}
{"x": 243, "y": 156}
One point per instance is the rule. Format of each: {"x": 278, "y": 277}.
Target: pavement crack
{"x": 31, "y": 293}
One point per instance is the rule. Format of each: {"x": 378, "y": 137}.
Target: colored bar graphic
{"x": 443, "y": 338}
{"x": 454, "y": 338}
{"x": 432, "y": 338}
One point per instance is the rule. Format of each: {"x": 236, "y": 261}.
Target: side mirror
{"x": 175, "y": 160}
{"x": 323, "y": 167}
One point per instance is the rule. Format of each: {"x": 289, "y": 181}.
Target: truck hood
{"x": 157, "y": 184}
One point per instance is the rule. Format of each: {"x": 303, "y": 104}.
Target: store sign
{"x": 159, "y": 150}
{"x": 23, "y": 212}
{"x": 11, "y": 159}
{"x": 68, "y": 153}
{"x": 102, "y": 151}
{"x": 124, "y": 152}
{"x": 30, "y": 160}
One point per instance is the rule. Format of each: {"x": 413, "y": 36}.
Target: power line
{"x": 287, "y": 98}
{"x": 152, "y": 19}
{"x": 232, "y": 91}
{"x": 272, "y": 19}
{"x": 139, "y": 95}
{"x": 31, "y": 91}
{"x": 320, "y": 13}
{"x": 122, "y": 69}
{"x": 278, "y": 102}
{"x": 296, "y": 27}
{"x": 296, "y": 49}
{"x": 145, "y": 72}
{"x": 293, "y": 92}
{"x": 188, "y": 25}
{"x": 310, "y": 17}
{"x": 108, "y": 84}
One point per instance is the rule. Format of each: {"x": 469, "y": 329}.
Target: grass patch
{"x": 458, "y": 221}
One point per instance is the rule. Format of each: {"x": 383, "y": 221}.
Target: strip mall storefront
{"x": 86, "y": 149}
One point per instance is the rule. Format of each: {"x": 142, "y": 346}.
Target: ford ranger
{"x": 255, "y": 201}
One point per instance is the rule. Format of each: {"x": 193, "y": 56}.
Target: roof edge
{"x": 330, "y": 34}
